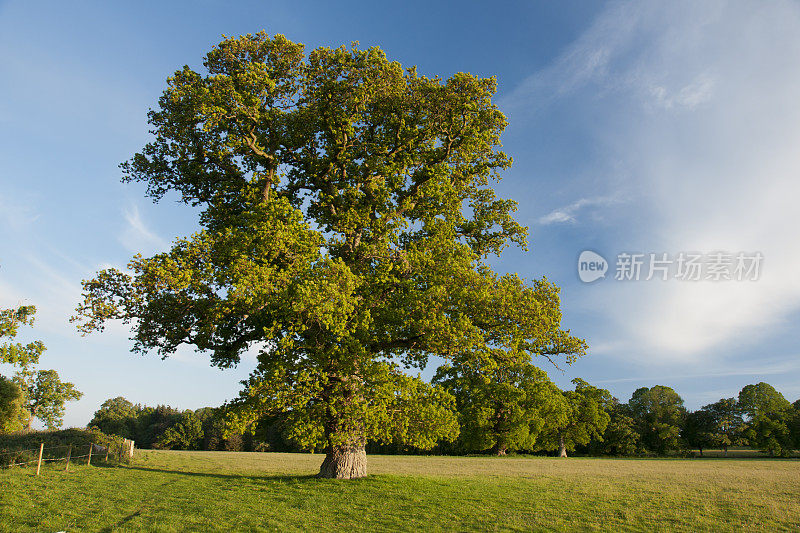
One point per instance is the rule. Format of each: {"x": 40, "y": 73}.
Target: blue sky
{"x": 661, "y": 127}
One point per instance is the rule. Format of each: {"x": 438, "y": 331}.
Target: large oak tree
{"x": 347, "y": 210}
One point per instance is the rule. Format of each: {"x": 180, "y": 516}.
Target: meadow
{"x": 229, "y": 491}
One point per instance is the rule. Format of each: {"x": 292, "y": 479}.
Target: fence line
{"x": 125, "y": 451}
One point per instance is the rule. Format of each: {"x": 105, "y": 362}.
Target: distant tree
{"x": 43, "y": 393}
{"x": 699, "y": 429}
{"x": 659, "y": 414}
{"x": 768, "y": 419}
{"x": 161, "y": 426}
{"x": 116, "y": 416}
{"x": 621, "y": 436}
{"x": 45, "y": 396}
{"x": 347, "y": 211}
{"x": 794, "y": 424}
{"x": 12, "y": 411}
{"x": 761, "y": 399}
{"x": 581, "y": 416}
{"x": 502, "y": 400}
{"x": 152, "y": 422}
{"x": 187, "y": 433}
{"x": 727, "y": 417}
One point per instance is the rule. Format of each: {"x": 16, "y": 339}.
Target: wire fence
{"x": 70, "y": 454}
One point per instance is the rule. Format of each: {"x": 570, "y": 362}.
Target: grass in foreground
{"x": 221, "y": 491}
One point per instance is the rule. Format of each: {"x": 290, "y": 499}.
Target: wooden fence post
{"x": 69, "y": 455}
{"x": 108, "y": 448}
{"x": 39, "y": 466}
{"x": 89, "y": 460}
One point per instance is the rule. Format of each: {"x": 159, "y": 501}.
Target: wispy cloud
{"x": 136, "y": 236}
{"x": 587, "y": 60}
{"x": 696, "y": 103}
{"x": 688, "y": 97}
{"x": 568, "y": 214}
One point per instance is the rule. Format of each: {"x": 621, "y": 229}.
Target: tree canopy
{"x": 34, "y": 393}
{"x": 768, "y": 426}
{"x": 659, "y": 413}
{"x": 17, "y": 353}
{"x": 45, "y": 395}
{"x": 347, "y": 210}
{"x": 580, "y": 416}
{"x": 503, "y": 403}
{"x": 11, "y": 406}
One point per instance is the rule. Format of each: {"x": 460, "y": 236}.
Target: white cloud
{"x": 569, "y": 213}
{"x": 587, "y": 60}
{"x": 136, "y": 236}
{"x": 699, "y": 109}
{"x": 688, "y": 97}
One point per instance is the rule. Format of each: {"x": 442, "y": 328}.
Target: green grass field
{"x": 221, "y": 491}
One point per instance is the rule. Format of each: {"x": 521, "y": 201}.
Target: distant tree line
{"x": 518, "y": 410}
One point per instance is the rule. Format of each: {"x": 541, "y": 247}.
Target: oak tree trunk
{"x": 344, "y": 462}
{"x": 562, "y": 446}
{"x": 500, "y": 449}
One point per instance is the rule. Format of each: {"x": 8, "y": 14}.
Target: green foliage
{"x": 621, "y": 436}
{"x": 116, "y": 416}
{"x": 794, "y": 424}
{"x": 770, "y": 433}
{"x": 16, "y": 353}
{"x": 12, "y": 411}
{"x": 659, "y": 415}
{"x": 761, "y": 399}
{"x": 166, "y": 427}
{"x": 58, "y": 437}
{"x": 24, "y": 445}
{"x": 151, "y": 422}
{"x": 347, "y": 211}
{"x": 401, "y": 408}
{"x": 187, "y": 433}
{"x": 45, "y": 396}
{"x": 727, "y": 423}
{"x": 699, "y": 429}
{"x": 503, "y": 402}
{"x": 43, "y": 393}
{"x": 770, "y": 418}
{"x": 581, "y": 416}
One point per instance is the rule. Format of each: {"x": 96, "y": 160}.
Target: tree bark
{"x": 562, "y": 446}
{"x": 499, "y": 449}
{"x": 344, "y": 462}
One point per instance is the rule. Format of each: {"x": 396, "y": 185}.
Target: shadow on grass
{"x": 122, "y": 522}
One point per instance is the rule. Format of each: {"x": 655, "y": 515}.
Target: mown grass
{"x": 221, "y": 491}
